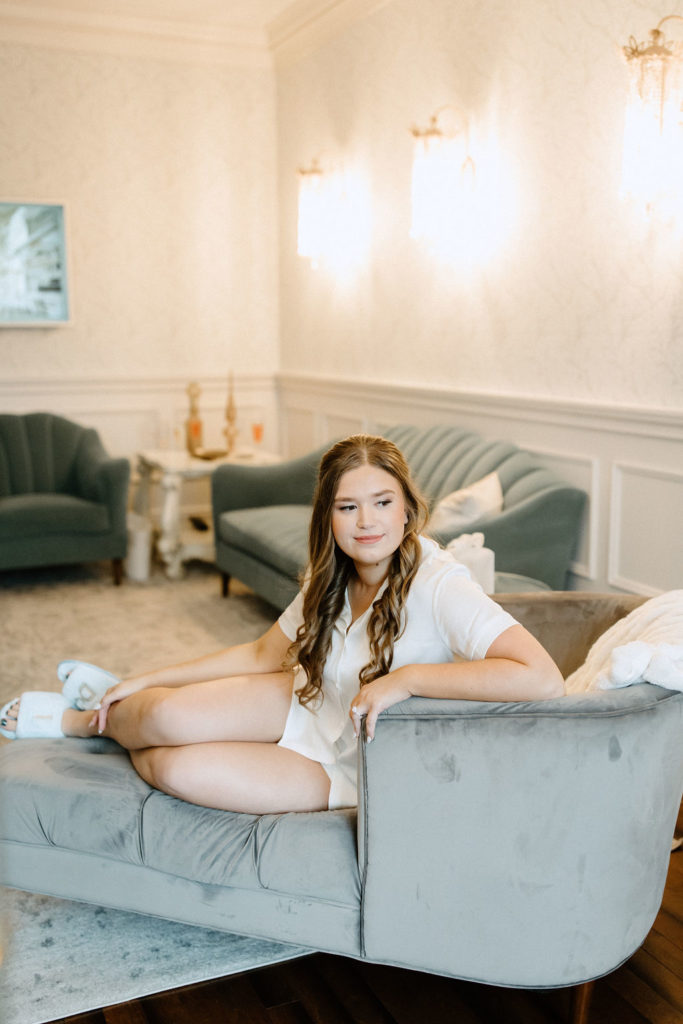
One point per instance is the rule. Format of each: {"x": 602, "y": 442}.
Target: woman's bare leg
{"x": 255, "y": 778}
{"x": 240, "y": 708}
{"x": 248, "y": 708}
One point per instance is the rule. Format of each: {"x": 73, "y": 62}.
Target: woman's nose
{"x": 364, "y": 517}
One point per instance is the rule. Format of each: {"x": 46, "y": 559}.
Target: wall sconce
{"x": 313, "y": 213}
{"x": 334, "y": 217}
{"x": 443, "y": 179}
{"x": 653, "y": 136}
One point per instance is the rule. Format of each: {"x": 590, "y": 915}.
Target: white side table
{"x": 170, "y": 468}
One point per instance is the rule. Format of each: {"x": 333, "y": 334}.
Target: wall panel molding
{"x": 623, "y": 419}
{"x": 646, "y": 542}
{"x": 133, "y": 413}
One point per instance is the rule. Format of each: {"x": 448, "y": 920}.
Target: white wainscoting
{"x": 628, "y": 460}
{"x": 135, "y": 414}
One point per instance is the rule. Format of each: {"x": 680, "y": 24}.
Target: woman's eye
{"x": 384, "y": 501}
{"x": 346, "y": 508}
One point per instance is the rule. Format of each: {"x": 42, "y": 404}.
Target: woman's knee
{"x": 145, "y": 719}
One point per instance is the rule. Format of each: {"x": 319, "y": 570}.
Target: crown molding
{"x": 163, "y": 39}
{"x": 306, "y": 25}
{"x": 302, "y": 27}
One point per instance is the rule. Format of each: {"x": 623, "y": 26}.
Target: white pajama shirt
{"x": 448, "y": 618}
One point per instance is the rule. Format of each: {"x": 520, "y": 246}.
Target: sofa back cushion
{"x": 38, "y": 453}
{"x": 443, "y": 459}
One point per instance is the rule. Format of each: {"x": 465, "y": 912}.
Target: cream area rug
{"x": 49, "y": 615}
{"x": 62, "y": 958}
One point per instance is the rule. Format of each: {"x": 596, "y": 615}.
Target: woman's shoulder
{"x": 437, "y": 562}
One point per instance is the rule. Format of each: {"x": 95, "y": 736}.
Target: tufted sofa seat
{"x": 62, "y": 498}
{"x": 261, "y": 514}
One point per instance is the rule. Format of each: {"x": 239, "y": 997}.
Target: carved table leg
{"x": 168, "y": 545}
{"x": 141, "y": 503}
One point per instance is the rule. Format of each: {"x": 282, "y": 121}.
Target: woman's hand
{"x": 375, "y": 697}
{"x": 112, "y": 696}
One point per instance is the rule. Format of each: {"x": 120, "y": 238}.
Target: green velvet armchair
{"x": 62, "y": 497}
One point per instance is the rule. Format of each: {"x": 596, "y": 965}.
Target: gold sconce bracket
{"x": 658, "y": 46}
{"x": 434, "y": 131}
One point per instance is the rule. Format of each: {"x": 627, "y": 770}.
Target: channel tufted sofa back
{"x": 444, "y": 459}
{"x": 39, "y": 453}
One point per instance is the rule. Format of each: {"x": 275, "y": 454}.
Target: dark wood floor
{"x": 323, "y": 989}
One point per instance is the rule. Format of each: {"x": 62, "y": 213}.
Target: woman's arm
{"x": 266, "y": 654}
{"x": 516, "y": 667}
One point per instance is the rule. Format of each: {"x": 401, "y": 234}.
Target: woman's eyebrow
{"x": 377, "y": 494}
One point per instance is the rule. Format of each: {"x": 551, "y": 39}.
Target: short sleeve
{"x": 468, "y": 620}
{"x": 292, "y": 617}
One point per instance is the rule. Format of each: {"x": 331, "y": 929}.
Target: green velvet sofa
{"x": 261, "y": 514}
{"x": 62, "y": 497}
{"x": 518, "y": 844}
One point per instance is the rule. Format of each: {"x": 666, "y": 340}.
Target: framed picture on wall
{"x": 33, "y": 267}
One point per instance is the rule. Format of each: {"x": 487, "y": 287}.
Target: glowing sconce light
{"x": 313, "y": 213}
{"x": 652, "y": 172}
{"x": 442, "y": 184}
{"x": 334, "y": 218}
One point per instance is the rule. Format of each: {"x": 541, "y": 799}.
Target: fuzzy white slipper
{"x": 40, "y": 716}
{"x": 84, "y": 685}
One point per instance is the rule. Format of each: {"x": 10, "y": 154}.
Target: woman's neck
{"x": 363, "y": 589}
{"x": 369, "y": 576}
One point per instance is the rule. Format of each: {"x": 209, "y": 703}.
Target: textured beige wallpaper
{"x": 169, "y": 179}
{"x": 577, "y": 297}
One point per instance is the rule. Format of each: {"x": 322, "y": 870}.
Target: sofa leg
{"x": 225, "y": 583}
{"x": 581, "y": 1001}
{"x": 117, "y": 569}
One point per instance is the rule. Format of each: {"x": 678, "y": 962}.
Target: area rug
{"x": 65, "y": 958}
{"x": 47, "y": 615}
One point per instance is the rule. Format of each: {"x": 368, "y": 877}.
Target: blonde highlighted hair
{"x": 329, "y": 569}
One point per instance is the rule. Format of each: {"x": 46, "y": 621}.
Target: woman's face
{"x": 369, "y": 516}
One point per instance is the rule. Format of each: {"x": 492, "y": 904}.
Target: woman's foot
{"x": 73, "y": 723}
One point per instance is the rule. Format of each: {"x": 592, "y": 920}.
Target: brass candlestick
{"x": 193, "y": 423}
{"x": 230, "y": 430}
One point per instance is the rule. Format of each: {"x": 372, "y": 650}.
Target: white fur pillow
{"x": 460, "y": 508}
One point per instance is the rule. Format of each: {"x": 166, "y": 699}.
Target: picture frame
{"x": 34, "y": 280}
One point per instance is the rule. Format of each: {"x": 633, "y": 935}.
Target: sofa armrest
{"x": 101, "y": 477}
{"x": 537, "y": 536}
{"x": 518, "y": 844}
{"x": 285, "y": 483}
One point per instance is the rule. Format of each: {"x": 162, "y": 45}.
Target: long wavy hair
{"x": 329, "y": 569}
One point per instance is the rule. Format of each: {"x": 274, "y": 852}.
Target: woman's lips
{"x": 368, "y": 540}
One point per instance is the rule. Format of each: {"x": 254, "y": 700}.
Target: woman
{"x": 384, "y": 613}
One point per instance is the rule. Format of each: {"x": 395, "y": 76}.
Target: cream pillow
{"x": 459, "y": 509}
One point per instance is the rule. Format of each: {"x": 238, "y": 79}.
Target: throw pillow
{"x": 459, "y": 509}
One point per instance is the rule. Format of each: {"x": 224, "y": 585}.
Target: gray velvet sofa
{"x": 62, "y": 497}
{"x": 261, "y": 514}
{"x": 521, "y": 844}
